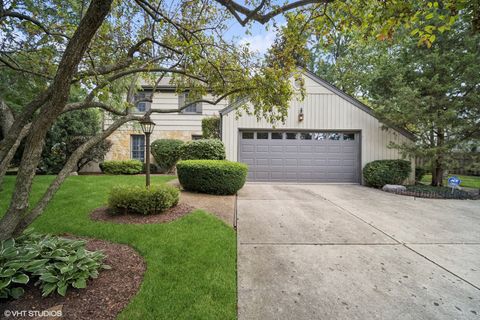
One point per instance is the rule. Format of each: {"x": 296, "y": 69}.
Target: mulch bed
{"x": 436, "y": 193}
{"x": 106, "y": 214}
{"x": 104, "y": 296}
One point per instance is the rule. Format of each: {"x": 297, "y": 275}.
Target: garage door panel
{"x": 294, "y": 160}
{"x": 262, "y": 149}
{"x": 276, "y": 149}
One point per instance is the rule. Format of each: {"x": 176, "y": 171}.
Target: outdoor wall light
{"x": 300, "y": 115}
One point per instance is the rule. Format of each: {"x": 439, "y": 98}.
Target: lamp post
{"x": 147, "y": 128}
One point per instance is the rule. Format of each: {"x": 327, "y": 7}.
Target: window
{"x": 291, "y": 136}
{"x": 349, "y": 136}
{"x": 138, "y": 147}
{"x": 305, "y": 136}
{"x": 277, "y": 135}
{"x": 320, "y": 136}
{"x": 262, "y": 135}
{"x": 196, "y": 136}
{"x": 183, "y": 99}
{"x": 247, "y": 135}
{"x": 334, "y": 136}
{"x": 140, "y": 104}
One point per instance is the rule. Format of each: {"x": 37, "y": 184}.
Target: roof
{"x": 341, "y": 94}
{"x": 164, "y": 84}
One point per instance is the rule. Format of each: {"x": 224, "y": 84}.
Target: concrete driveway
{"x": 351, "y": 252}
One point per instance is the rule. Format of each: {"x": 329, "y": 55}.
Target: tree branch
{"x": 21, "y": 16}
{"x": 254, "y": 14}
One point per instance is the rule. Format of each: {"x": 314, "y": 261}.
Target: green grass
{"x": 191, "y": 262}
{"x": 467, "y": 181}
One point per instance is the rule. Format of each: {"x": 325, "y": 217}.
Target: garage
{"x": 301, "y": 156}
{"x": 326, "y": 136}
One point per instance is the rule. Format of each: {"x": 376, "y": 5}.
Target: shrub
{"x": 51, "y": 262}
{"x": 166, "y": 153}
{"x": 207, "y": 149}
{"x": 212, "y": 176}
{"x": 136, "y": 199}
{"x": 211, "y": 128}
{"x": 122, "y": 167}
{"x": 419, "y": 173}
{"x": 381, "y": 172}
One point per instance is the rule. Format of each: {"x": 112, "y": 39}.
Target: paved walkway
{"x": 350, "y": 252}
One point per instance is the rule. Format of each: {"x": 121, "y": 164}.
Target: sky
{"x": 260, "y": 38}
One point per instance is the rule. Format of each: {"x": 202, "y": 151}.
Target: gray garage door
{"x": 301, "y": 156}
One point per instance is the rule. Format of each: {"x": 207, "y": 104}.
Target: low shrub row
{"x": 381, "y": 172}
{"x": 50, "y": 262}
{"x": 212, "y": 176}
{"x": 122, "y": 167}
{"x": 136, "y": 199}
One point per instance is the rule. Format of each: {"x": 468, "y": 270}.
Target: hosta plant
{"x": 54, "y": 263}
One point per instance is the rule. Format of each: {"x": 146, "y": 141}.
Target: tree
{"x": 432, "y": 90}
{"x": 68, "y": 133}
{"x": 104, "y": 47}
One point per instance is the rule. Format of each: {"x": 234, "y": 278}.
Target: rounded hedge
{"x": 208, "y": 149}
{"x": 122, "y": 167}
{"x": 212, "y": 176}
{"x": 166, "y": 153}
{"x": 381, "y": 172}
{"x": 143, "y": 200}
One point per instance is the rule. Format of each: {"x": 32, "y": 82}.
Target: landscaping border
{"x": 103, "y": 299}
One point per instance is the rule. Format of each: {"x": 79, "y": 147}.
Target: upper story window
{"x": 140, "y": 104}
{"x": 193, "y": 109}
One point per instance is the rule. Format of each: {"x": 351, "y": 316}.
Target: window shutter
{"x": 199, "y": 107}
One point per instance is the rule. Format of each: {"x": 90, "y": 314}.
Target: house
{"x": 129, "y": 141}
{"x": 327, "y": 137}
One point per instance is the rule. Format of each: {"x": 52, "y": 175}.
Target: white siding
{"x": 323, "y": 110}
{"x": 176, "y": 121}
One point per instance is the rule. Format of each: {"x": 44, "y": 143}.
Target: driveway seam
{"x": 442, "y": 267}
{"x": 371, "y": 225}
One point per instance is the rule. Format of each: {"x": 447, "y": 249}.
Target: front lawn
{"x": 191, "y": 262}
{"x": 467, "y": 181}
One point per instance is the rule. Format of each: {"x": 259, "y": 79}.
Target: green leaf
{"x": 62, "y": 289}
{"x": 21, "y": 278}
{"x": 16, "y": 292}
{"x": 9, "y": 243}
{"x": 80, "y": 283}
{"x": 5, "y": 282}
{"x": 429, "y": 16}
{"x": 49, "y": 278}
{"x": 48, "y": 288}
{"x": 7, "y": 273}
{"x": 414, "y": 31}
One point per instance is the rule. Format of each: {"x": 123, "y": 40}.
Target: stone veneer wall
{"x": 121, "y": 141}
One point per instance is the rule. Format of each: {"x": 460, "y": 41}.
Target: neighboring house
{"x": 327, "y": 137}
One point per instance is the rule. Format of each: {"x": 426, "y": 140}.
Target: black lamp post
{"x": 147, "y": 128}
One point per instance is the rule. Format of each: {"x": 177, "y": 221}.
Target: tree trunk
{"x": 60, "y": 88}
{"x": 6, "y": 118}
{"x": 11, "y": 153}
{"x": 438, "y": 168}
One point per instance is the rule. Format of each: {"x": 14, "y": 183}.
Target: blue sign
{"x": 454, "y": 181}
